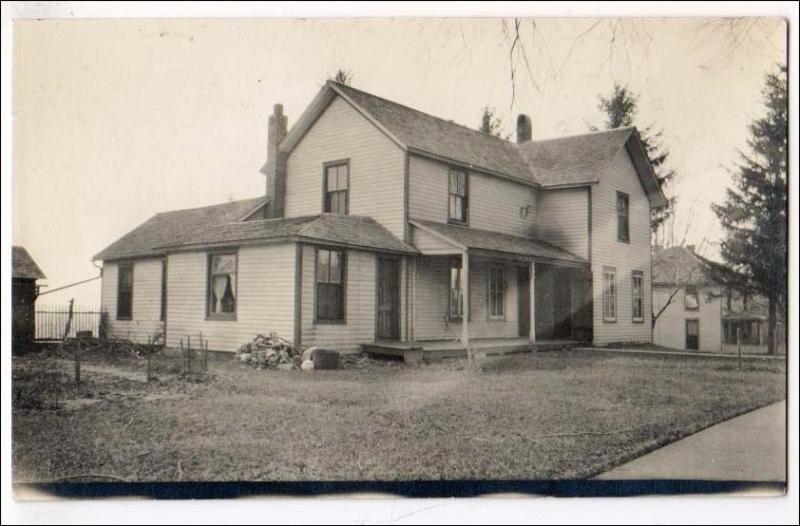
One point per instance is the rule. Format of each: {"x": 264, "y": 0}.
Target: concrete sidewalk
{"x": 750, "y": 447}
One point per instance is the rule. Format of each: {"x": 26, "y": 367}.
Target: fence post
{"x": 149, "y": 357}
{"x": 78, "y": 345}
{"x": 189, "y": 355}
{"x": 69, "y": 319}
{"x": 739, "y": 345}
{"x": 204, "y": 350}
{"x": 183, "y": 360}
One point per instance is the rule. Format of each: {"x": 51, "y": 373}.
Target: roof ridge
{"x": 587, "y": 134}
{"x": 217, "y": 205}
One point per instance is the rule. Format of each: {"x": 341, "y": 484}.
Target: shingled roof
{"x": 23, "y": 266}
{"x": 473, "y": 238}
{"x": 222, "y": 224}
{"x": 675, "y": 265}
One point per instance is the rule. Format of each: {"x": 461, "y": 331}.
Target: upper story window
{"x": 609, "y": 294}
{"x": 337, "y": 186}
{"x": 637, "y": 295}
{"x": 457, "y": 196}
{"x": 329, "y": 277}
{"x": 456, "y": 296}
{"x": 222, "y": 286}
{"x": 125, "y": 291}
{"x": 497, "y": 293}
{"x": 691, "y": 300}
{"x": 623, "y": 227}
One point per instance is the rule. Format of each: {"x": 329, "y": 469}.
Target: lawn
{"x": 554, "y": 415}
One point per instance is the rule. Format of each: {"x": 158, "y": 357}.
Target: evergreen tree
{"x": 491, "y": 124}
{"x": 620, "y": 109}
{"x": 754, "y": 212}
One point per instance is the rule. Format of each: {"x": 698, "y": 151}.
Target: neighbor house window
{"x": 609, "y": 294}
{"x": 337, "y": 184}
{"x": 691, "y": 300}
{"x": 637, "y": 295}
{"x": 457, "y": 196}
{"x": 222, "y": 286}
{"x": 455, "y": 308}
{"x": 497, "y": 293}
{"x": 163, "y": 289}
{"x": 623, "y": 227}
{"x": 330, "y": 276}
{"x": 125, "y": 291}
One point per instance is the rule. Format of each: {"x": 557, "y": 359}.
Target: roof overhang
{"x": 644, "y": 169}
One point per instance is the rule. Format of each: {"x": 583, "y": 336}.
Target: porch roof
{"x": 483, "y": 240}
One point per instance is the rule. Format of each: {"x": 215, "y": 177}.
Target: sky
{"x": 117, "y": 120}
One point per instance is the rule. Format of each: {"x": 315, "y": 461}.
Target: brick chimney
{"x": 524, "y": 128}
{"x": 276, "y": 164}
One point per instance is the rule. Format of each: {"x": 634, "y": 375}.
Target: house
{"x": 382, "y": 225}
{"x": 696, "y": 313}
{"x": 24, "y": 290}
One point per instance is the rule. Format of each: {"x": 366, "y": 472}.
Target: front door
{"x": 387, "y": 299}
{"x": 524, "y": 301}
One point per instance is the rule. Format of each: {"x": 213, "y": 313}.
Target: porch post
{"x": 465, "y": 300}
{"x": 532, "y": 291}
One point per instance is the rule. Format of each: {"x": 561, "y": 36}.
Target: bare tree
{"x": 343, "y": 76}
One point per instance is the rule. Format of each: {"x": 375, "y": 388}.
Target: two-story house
{"x": 389, "y": 227}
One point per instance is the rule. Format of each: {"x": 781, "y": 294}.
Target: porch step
{"x": 441, "y": 350}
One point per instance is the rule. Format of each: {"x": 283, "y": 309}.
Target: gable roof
{"x": 675, "y": 265}
{"x": 221, "y": 224}
{"x": 566, "y": 161}
{"x": 473, "y": 238}
{"x": 23, "y": 266}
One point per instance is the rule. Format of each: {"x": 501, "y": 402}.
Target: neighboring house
{"x": 383, "y": 223}
{"x": 24, "y": 290}
{"x": 700, "y": 314}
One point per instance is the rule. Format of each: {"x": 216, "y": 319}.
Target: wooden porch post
{"x": 532, "y": 292}
{"x": 465, "y": 299}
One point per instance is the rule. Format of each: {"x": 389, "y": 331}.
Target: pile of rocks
{"x": 274, "y": 352}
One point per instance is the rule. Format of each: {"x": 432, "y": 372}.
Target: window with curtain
{"x": 337, "y": 184}
{"x": 497, "y": 293}
{"x": 125, "y": 291}
{"x": 330, "y": 285}
{"x": 222, "y": 286}
{"x": 609, "y": 294}
{"x": 623, "y": 229}
{"x": 455, "y": 309}
{"x": 637, "y": 293}
{"x": 457, "y": 190}
{"x": 691, "y": 300}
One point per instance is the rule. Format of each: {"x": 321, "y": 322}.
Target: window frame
{"x": 464, "y": 198}
{"x": 613, "y": 272}
{"x": 343, "y": 265}
{"x": 222, "y": 316}
{"x": 500, "y": 270}
{"x": 454, "y": 263}
{"x": 637, "y": 274}
{"x": 627, "y": 199}
{"x": 686, "y": 333}
{"x": 686, "y": 298}
{"x": 127, "y": 265}
{"x": 325, "y": 167}
{"x": 163, "y": 316}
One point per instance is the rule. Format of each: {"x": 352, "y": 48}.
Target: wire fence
{"x": 51, "y": 322}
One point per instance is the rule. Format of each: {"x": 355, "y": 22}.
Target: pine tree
{"x": 491, "y": 124}
{"x": 620, "y": 109}
{"x": 754, "y": 213}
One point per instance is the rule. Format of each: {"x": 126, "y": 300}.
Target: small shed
{"x": 24, "y": 290}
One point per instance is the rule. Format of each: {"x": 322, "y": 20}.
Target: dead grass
{"x": 541, "y": 416}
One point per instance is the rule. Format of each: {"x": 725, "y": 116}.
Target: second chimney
{"x": 276, "y": 164}
{"x": 524, "y": 128}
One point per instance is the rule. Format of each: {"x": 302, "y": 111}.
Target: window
{"x": 455, "y": 308}
{"x": 637, "y": 295}
{"x": 691, "y": 300}
{"x": 623, "y": 231}
{"x": 609, "y": 294}
{"x": 693, "y": 334}
{"x": 222, "y": 286}
{"x": 125, "y": 291}
{"x": 330, "y": 275}
{"x": 163, "y": 289}
{"x": 337, "y": 184}
{"x": 750, "y": 332}
{"x": 497, "y": 293}
{"x": 457, "y": 196}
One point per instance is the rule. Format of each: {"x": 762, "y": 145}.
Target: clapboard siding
{"x": 563, "y": 219}
{"x": 359, "y": 326}
{"x": 432, "y": 296}
{"x": 670, "y": 327}
{"x": 376, "y": 168}
{"x": 264, "y": 303}
{"x": 146, "y": 318}
{"x": 495, "y": 204}
{"x": 624, "y": 257}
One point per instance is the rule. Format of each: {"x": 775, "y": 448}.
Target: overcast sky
{"x": 115, "y": 121}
